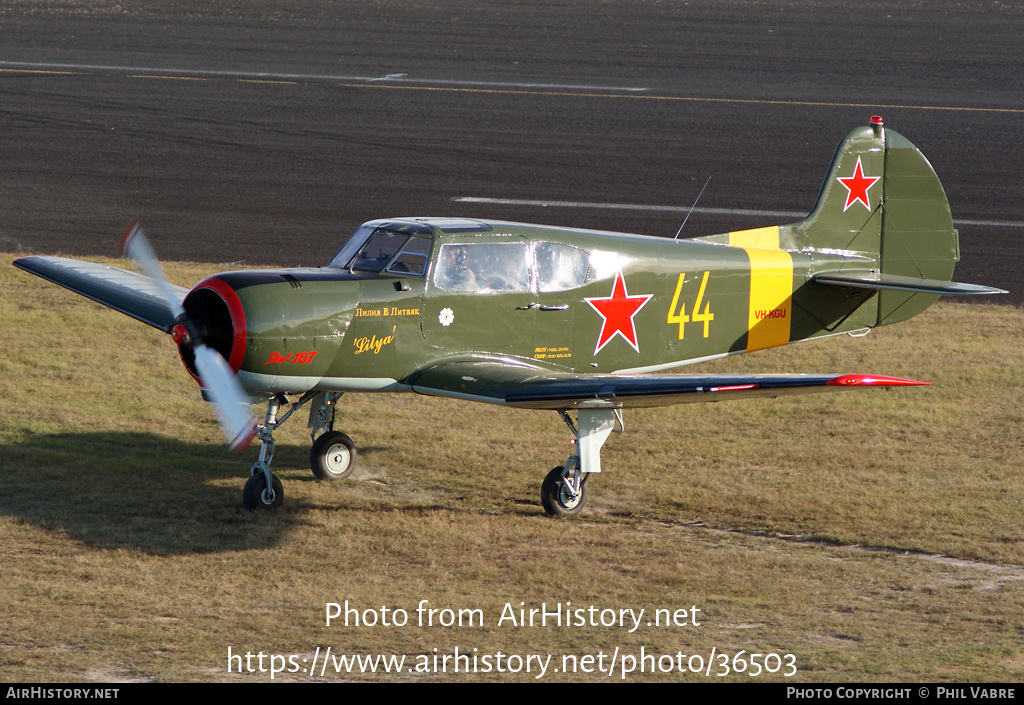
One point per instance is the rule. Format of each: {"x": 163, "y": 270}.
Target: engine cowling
{"x": 216, "y": 311}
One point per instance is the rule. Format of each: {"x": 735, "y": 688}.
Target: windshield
{"x": 343, "y": 257}
{"x": 374, "y": 245}
{"x": 378, "y": 251}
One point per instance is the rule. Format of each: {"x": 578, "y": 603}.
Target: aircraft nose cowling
{"x": 216, "y": 311}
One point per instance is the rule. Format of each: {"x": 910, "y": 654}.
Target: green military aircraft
{"x": 547, "y": 318}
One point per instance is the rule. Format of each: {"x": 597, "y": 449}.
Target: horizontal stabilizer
{"x": 513, "y": 384}
{"x": 131, "y": 293}
{"x": 871, "y": 279}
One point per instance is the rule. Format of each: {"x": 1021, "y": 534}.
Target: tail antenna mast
{"x": 691, "y": 208}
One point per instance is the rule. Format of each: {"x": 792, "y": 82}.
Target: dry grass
{"x": 807, "y": 525}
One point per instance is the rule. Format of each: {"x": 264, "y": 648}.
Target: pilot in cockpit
{"x": 454, "y": 273}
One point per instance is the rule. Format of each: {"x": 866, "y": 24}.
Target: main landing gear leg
{"x": 333, "y": 455}
{"x": 564, "y": 490}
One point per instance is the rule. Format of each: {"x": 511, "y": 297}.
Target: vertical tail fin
{"x": 883, "y": 213}
{"x": 882, "y": 200}
{"x": 848, "y": 214}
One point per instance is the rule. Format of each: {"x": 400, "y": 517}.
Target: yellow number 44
{"x": 681, "y": 318}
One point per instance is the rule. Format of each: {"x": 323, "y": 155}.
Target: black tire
{"x": 333, "y": 456}
{"x": 556, "y": 501}
{"x": 253, "y": 496}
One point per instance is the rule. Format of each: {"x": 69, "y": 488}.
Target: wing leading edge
{"x": 132, "y": 294}
{"x": 510, "y": 383}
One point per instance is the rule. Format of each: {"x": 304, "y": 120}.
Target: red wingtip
{"x": 735, "y": 388}
{"x": 873, "y": 381}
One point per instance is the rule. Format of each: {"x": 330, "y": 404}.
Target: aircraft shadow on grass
{"x": 159, "y": 495}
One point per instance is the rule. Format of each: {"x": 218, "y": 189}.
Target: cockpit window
{"x": 413, "y": 257}
{"x": 560, "y": 267}
{"x": 483, "y": 267}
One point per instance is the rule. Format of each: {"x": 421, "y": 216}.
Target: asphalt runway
{"x": 266, "y": 132}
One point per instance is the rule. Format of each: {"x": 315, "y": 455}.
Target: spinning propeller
{"x": 219, "y": 382}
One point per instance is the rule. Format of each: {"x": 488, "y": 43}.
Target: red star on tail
{"x": 857, "y": 186}
{"x": 618, "y": 311}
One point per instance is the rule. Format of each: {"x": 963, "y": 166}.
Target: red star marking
{"x": 618, "y": 311}
{"x": 857, "y": 186}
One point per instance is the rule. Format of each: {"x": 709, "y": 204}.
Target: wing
{"x": 511, "y": 383}
{"x": 132, "y": 294}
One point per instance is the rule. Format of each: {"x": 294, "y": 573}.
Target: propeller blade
{"x": 228, "y": 397}
{"x": 220, "y": 383}
{"x": 135, "y": 246}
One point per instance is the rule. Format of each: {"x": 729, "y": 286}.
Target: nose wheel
{"x": 256, "y": 494}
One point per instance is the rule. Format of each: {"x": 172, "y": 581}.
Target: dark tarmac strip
{"x": 267, "y": 132}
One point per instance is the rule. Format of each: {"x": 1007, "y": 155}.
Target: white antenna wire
{"x": 691, "y": 208}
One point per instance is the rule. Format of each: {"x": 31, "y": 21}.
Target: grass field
{"x": 875, "y": 536}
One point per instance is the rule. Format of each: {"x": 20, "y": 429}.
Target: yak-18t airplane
{"x": 546, "y": 318}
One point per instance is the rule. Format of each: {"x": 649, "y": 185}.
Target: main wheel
{"x": 256, "y": 496}
{"x": 556, "y": 497}
{"x": 333, "y": 456}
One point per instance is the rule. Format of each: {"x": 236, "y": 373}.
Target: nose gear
{"x": 332, "y": 457}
